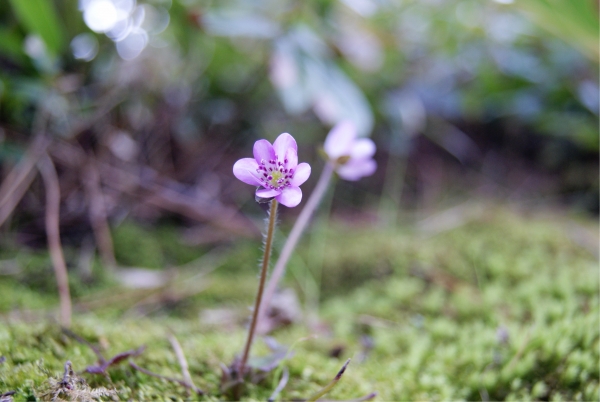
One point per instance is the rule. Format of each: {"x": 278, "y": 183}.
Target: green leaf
{"x": 575, "y": 22}
{"x": 11, "y": 45}
{"x": 40, "y": 17}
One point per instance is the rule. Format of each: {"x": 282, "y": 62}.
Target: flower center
{"x": 342, "y": 160}
{"x": 274, "y": 174}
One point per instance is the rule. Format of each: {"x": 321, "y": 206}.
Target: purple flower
{"x": 352, "y": 156}
{"x": 276, "y": 169}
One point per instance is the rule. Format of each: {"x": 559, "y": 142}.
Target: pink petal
{"x": 292, "y": 159}
{"x": 301, "y": 174}
{"x": 362, "y": 148}
{"x": 267, "y": 192}
{"x": 357, "y": 168}
{"x": 290, "y": 196}
{"x": 283, "y": 143}
{"x": 245, "y": 170}
{"x": 339, "y": 140}
{"x": 263, "y": 150}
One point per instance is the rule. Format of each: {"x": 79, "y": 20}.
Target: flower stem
{"x": 261, "y": 285}
{"x": 311, "y": 205}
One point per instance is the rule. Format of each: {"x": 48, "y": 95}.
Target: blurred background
{"x": 143, "y": 107}
{"x": 467, "y": 265}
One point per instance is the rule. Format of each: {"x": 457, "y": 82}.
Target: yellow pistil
{"x": 276, "y": 176}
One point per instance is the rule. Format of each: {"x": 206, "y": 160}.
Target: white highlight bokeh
{"x": 84, "y": 46}
{"x": 100, "y": 15}
{"x": 125, "y": 22}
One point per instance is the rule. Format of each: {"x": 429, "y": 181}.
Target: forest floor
{"x": 483, "y": 302}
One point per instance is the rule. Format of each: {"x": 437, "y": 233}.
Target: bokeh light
{"x": 100, "y": 15}
{"x": 132, "y": 45}
{"x": 84, "y": 46}
{"x": 126, "y": 23}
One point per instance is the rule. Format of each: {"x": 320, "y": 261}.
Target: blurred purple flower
{"x": 276, "y": 169}
{"x": 351, "y": 156}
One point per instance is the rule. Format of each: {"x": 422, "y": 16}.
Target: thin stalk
{"x": 285, "y": 376}
{"x": 97, "y": 213}
{"x": 311, "y": 205}
{"x": 187, "y": 378}
{"x": 261, "y": 285}
{"x": 50, "y": 178}
{"x": 329, "y": 386}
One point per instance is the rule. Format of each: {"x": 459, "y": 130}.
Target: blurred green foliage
{"x": 383, "y": 64}
{"x": 574, "y": 21}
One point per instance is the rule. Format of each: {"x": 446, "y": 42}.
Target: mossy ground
{"x": 505, "y": 306}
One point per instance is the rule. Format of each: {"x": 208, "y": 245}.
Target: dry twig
{"x": 175, "y": 380}
{"x": 19, "y": 179}
{"x": 158, "y": 191}
{"x": 46, "y": 168}
{"x": 182, "y": 362}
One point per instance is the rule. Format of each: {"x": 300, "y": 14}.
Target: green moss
{"x": 136, "y": 245}
{"x": 505, "y": 307}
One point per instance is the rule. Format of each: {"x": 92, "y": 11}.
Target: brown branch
{"x": 50, "y": 178}
{"x": 159, "y": 192}
{"x": 164, "y": 197}
{"x": 97, "y": 211}
{"x": 19, "y": 179}
{"x": 16, "y": 183}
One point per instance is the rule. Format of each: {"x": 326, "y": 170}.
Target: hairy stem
{"x": 261, "y": 285}
{"x": 311, "y": 205}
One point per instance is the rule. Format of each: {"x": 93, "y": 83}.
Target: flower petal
{"x": 339, "y": 140}
{"x": 357, "y": 168}
{"x": 245, "y": 170}
{"x": 292, "y": 159}
{"x": 290, "y": 196}
{"x": 282, "y": 144}
{"x": 362, "y": 148}
{"x": 267, "y": 192}
{"x": 263, "y": 150}
{"x": 301, "y": 174}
